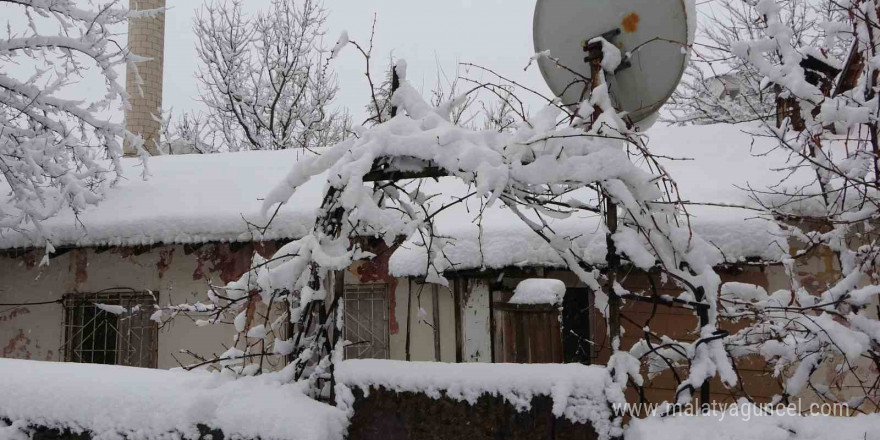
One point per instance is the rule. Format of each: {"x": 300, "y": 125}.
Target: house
{"x": 196, "y": 222}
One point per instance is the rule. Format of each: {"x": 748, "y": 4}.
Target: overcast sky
{"x": 427, "y": 33}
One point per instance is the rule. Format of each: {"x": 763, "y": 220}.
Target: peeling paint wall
{"x": 178, "y": 273}
{"x": 405, "y": 299}
{"x": 182, "y": 273}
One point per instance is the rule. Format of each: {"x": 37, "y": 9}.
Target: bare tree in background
{"x": 51, "y": 148}
{"x": 265, "y": 78}
{"x": 187, "y": 134}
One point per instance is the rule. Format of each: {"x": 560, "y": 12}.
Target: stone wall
{"x": 388, "y": 415}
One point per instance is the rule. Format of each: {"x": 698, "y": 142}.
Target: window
{"x": 366, "y": 321}
{"x": 94, "y": 335}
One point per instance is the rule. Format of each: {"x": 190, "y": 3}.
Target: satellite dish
{"x": 655, "y": 32}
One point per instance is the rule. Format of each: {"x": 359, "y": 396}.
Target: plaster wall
{"x": 178, "y": 274}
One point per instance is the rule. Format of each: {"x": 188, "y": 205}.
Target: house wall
{"x": 406, "y": 298}
{"x": 676, "y": 322}
{"x": 179, "y": 274}
{"x": 182, "y": 274}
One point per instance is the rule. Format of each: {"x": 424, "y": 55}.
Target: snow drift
{"x": 112, "y": 402}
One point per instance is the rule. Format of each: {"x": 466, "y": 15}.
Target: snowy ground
{"x": 113, "y": 402}
{"x": 141, "y": 404}
{"x": 756, "y": 427}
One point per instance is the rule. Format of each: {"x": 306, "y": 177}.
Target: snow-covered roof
{"x": 186, "y": 199}
{"x": 204, "y": 198}
{"x": 722, "y": 161}
{"x": 113, "y": 402}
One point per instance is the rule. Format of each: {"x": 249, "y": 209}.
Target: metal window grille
{"x": 366, "y": 321}
{"x": 92, "y": 335}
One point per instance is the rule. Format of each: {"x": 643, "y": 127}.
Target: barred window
{"x": 366, "y": 321}
{"x": 95, "y": 335}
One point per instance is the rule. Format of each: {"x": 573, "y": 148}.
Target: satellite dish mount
{"x": 594, "y": 50}
{"x": 653, "y": 32}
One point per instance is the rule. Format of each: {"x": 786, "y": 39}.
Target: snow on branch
{"x": 51, "y": 147}
{"x": 818, "y": 334}
{"x": 539, "y": 169}
{"x": 266, "y": 79}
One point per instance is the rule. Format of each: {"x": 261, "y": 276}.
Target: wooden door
{"x": 527, "y": 334}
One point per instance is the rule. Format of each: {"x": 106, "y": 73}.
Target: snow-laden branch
{"x": 50, "y": 146}
{"x": 538, "y": 169}
{"x": 823, "y": 331}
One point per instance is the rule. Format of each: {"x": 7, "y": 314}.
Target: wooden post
{"x": 457, "y": 288}
{"x": 612, "y": 259}
{"x": 435, "y": 309}
{"x": 408, "y": 318}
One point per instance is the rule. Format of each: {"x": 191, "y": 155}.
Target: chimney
{"x": 146, "y": 38}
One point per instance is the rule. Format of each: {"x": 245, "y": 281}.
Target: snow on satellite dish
{"x": 654, "y": 34}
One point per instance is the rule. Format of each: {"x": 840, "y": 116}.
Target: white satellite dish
{"x": 655, "y": 32}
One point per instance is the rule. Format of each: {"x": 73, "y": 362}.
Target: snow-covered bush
{"x": 51, "y": 141}
{"x": 821, "y": 336}
{"x": 721, "y": 88}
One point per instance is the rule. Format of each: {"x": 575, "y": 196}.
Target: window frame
{"x": 77, "y": 306}
{"x": 360, "y": 289}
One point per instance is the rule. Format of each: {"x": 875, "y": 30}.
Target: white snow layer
{"x": 752, "y": 426}
{"x": 116, "y": 402}
{"x": 582, "y": 394}
{"x": 538, "y": 291}
{"x": 203, "y": 198}
{"x": 721, "y": 162}
{"x": 187, "y": 199}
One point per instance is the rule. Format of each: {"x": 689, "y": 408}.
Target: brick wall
{"x": 146, "y": 37}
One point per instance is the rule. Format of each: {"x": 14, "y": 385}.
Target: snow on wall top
{"x": 538, "y": 291}
{"x": 115, "y": 402}
{"x": 582, "y": 394}
{"x": 203, "y": 198}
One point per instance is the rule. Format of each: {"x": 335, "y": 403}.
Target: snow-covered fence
{"x": 392, "y": 400}
{"x": 53, "y": 401}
